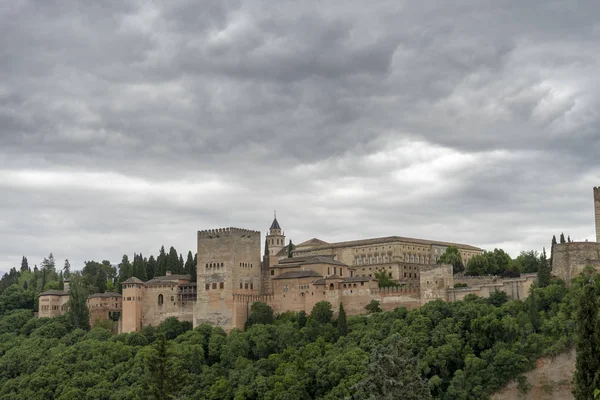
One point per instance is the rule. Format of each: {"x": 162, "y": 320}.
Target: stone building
{"x": 104, "y": 307}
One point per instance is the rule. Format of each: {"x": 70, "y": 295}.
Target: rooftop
{"x": 54, "y": 292}
{"x": 297, "y": 274}
{"x": 103, "y": 295}
{"x": 387, "y": 239}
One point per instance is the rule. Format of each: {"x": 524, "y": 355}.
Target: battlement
{"x": 252, "y": 298}
{"x": 396, "y": 289}
{"x": 231, "y": 231}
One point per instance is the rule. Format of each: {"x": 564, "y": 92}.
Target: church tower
{"x": 597, "y": 210}
{"x": 275, "y": 240}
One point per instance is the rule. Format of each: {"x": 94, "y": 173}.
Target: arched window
{"x": 331, "y": 287}
{"x": 160, "y": 300}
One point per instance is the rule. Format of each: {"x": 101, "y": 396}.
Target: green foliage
{"x": 342, "y": 323}
{"x": 587, "y": 344}
{"x": 260, "y": 313}
{"x": 393, "y": 374}
{"x": 322, "y": 313}
{"x": 544, "y": 273}
{"x": 489, "y": 263}
{"x": 373, "y": 307}
{"x": 527, "y": 262}
{"x": 384, "y": 279}
{"x": 452, "y": 256}
{"x": 461, "y": 350}
{"x": 78, "y": 313}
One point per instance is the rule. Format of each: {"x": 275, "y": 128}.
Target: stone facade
{"x": 104, "y": 307}
{"x": 52, "y": 303}
{"x": 515, "y": 288}
{"x": 569, "y": 259}
{"x": 597, "y": 212}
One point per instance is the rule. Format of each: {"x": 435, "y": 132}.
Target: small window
{"x": 251, "y": 286}
{"x": 241, "y": 285}
{"x": 214, "y": 285}
{"x": 221, "y": 285}
{"x": 172, "y": 298}
{"x": 272, "y": 272}
{"x": 160, "y": 300}
{"x": 246, "y": 285}
{"x": 334, "y": 270}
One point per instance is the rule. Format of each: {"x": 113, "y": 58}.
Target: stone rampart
{"x": 569, "y": 259}
{"x": 515, "y": 288}
{"x": 597, "y": 212}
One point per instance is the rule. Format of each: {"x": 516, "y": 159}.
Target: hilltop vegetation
{"x": 462, "y": 350}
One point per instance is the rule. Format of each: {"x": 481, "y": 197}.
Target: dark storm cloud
{"x": 125, "y": 125}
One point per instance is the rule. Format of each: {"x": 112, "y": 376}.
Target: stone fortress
{"x": 232, "y": 275}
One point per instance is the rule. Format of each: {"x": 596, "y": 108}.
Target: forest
{"x": 461, "y": 350}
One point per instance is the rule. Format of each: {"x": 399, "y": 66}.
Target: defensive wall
{"x": 515, "y": 288}
{"x": 597, "y": 212}
{"x": 569, "y": 259}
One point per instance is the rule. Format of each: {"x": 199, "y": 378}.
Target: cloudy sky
{"x": 125, "y": 125}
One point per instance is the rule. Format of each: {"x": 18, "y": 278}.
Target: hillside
{"x": 550, "y": 380}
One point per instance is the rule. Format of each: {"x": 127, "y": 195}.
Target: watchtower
{"x": 228, "y": 263}
{"x": 133, "y": 294}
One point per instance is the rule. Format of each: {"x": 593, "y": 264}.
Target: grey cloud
{"x": 473, "y": 121}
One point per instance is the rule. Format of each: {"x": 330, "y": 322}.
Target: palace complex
{"x": 233, "y": 273}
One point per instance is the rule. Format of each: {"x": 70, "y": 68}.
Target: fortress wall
{"x": 515, "y": 288}
{"x": 472, "y": 281}
{"x": 569, "y": 259}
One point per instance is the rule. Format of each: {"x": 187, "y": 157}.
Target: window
{"x": 214, "y": 285}
{"x": 221, "y": 285}
{"x": 357, "y": 260}
{"x": 206, "y": 287}
{"x": 246, "y": 285}
{"x": 241, "y": 285}
{"x": 341, "y": 274}
{"x": 172, "y": 298}
{"x": 251, "y": 286}
{"x": 328, "y": 271}
{"x": 370, "y": 259}
{"x": 334, "y": 270}
{"x": 331, "y": 287}
{"x": 272, "y": 272}
{"x": 160, "y": 300}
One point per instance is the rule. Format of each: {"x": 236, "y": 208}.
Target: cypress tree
{"x": 290, "y": 249}
{"x": 161, "y": 380}
{"x": 587, "y": 344}
{"x": 193, "y": 269}
{"x": 78, "y": 309}
{"x": 67, "y": 269}
{"x": 181, "y": 265}
{"x": 151, "y": 268}
{"x": 172, "y": 261}
{"x": 161, "y": 263}
{"x": 189, "y": 263}
{"x": 553, "y": 240}
{"x": 562, "y": 238}
{"x": 266, "y": 248}
{"x": 24, "y": 264}
{"x": 342, "y": 323}
{"x": 569, "y": 239}
{"x": 544, "y": 275}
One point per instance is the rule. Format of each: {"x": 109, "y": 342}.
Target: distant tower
{"x": 131, "y": 315}
{"x": 276, "y": 239}
{"x": 597, "y": 208}
{"x": 228, "y": 265}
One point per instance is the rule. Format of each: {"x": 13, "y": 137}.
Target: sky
{"x": 127, "y": 125}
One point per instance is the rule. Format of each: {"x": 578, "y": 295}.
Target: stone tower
{"x": 228, "y": 264}
{"x": 276, "y": 240}
{"x": 597, "y": 209}
{"x": 133, "y": 292}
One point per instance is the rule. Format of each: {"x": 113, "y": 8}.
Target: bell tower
{"x": 597, "y": 210}
{"x": 275, "y": 239}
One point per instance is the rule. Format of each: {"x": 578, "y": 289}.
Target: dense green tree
{"x": 151, "y": 267}
{"x": 342, "y": 323}
{"x": 544, "y": 272}
{"x": 189, "y": 263}
{"x": 67, "y": 269}
{"x": 78, "y": 312}
{"x": 193, "y": 271}
{"x": 260, "y": 313}
{"x": 562, "y": 238}
{"x": 497, "y": 298}
{"x": 373, "y": 307}
{"x": 24, "y": 264}
{"x": 452, "y": 256}
{"x": 321, "y": 313}
{"x": 586, "y": 378}
{"x": 393, "y": 374}
{"x": 527, "y": 262}
{"x": 181, "y": 265}
{"x": 554, "y": 240}
{"x": 125, "y": 268}
{"x": 139, "y": 267}
{"x": 161, "y": 379}
{"x": 384, "y": 279}
{"x": 173, "y": 261}
{"x": 161, "y": 263}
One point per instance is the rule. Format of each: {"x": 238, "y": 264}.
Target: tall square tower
{"x": 597, "y": 210}
{"x": 229, "y": 262}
